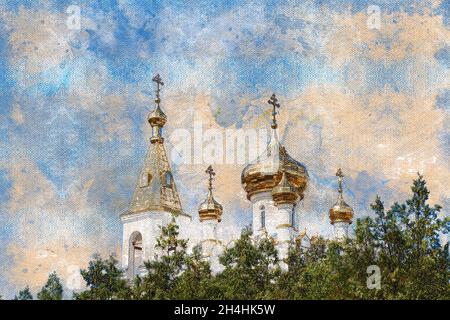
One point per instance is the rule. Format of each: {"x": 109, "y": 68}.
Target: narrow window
{"x": 292, "y": 218}
{"x": 262, "y": 211}
{"x": 145, "y": 179}
{"x": 168, "y": 179}
{"x": 135, "y": 253}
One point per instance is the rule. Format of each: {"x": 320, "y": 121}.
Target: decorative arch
{"x": 135, "y": 253}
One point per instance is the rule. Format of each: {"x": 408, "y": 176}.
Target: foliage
{"x": 24, "y": 294}
{"x": 52, "y": 290}
{"x": 105, "y": 281}
{"x": 250, "y": 268}
{"x": 164, "y": 270}
{"x": 404, "y": 242}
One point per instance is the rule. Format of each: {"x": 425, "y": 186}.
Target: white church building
{"x": 274, "y": 184}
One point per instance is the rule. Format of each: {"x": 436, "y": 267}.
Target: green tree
{"x": 24, "y": 294}
{"x": 426, "y": 265}
{"x": 251, "y": 268}
{"x": 164, "y": 270}
{"x": 197, "y": 281}
{"x": 105, "y": 281}
{"x": 52, "y": 290}
{"x": 404, "y": 243}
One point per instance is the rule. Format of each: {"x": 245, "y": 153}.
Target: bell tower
{"x": 155, "y": 200}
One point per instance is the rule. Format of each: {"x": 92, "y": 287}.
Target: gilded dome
{"x": 341, "y": 211}
{"x": 265, "y": 172}
{"x": 157, "y": 118}
{"x": 284, "y": 192}
{"x": 210, "y": 209}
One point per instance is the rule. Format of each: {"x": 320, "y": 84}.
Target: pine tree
{"x": 163, "y": 271}
{"x": 404, "y": 242}
{"x": 24, "y": 294}
{"x": 104, "y": 280}
{"x": 52, "y": 290}
{"x": 427, "y": 263}
{"x": 250, "y": 268}
{"x": 197, "y": 281}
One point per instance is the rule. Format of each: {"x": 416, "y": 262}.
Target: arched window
{"x": 168, "y": 179}
{"x": 145, "y": 179}
{"x": 292, "y": 218}
{"x": 135, "y": 255}
{"x": 262, "y": 213}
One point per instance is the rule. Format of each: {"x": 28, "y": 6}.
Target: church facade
{"x": 275, "y": 184}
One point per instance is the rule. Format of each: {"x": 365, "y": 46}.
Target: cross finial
{"x": 340, "y": 176}
{"x": 274, "y": 102}
{"x": 159, "y": 83}
{"x": 211, "y": 173}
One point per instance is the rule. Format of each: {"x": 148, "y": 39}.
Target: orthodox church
{"x": 275, "y": 183}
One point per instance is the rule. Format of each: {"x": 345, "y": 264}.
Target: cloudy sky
{"x": 372, "y": 98}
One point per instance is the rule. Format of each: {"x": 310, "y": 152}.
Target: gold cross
{"x": 340, "y": 176}
{"x": 211, "y": 173}
{"x": 274, "y": 102}
{"x": 159, "y": 83}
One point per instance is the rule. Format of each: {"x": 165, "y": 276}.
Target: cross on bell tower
{"x": 159, "y": 83}
{"x": 274, "y": 102}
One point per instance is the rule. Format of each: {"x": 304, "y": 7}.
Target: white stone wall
{"x": 264, "y": 199}
{"x": 148, "y": 223}
{"x": 341, "y": 230}
{"x": 212, "y": 249}
{"x": 209, "y": 229}
{"x": 276, "y": 218}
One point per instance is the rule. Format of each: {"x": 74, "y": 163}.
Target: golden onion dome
{"x": 265, "y": 173}
{"x": 157, "y": 118}
{"x": 210, "y": 209}
{"x": 341, "y": 211}
{"x": 284, "y": 192}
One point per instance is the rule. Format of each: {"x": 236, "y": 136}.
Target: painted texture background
{"x": 73, "y": 105}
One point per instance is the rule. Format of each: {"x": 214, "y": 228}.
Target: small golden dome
{"x": 210, "y": 209}
{"x": 284, "y": 192}
{"x": 157, "y": 118}
{"x": 341, "y": 211}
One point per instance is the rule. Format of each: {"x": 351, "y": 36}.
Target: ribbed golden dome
{"x": 210, "y": 209}
{"x": 265, "y": 173}
{"x": 341, "y": 211}
{"x": 284, "y": 192}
